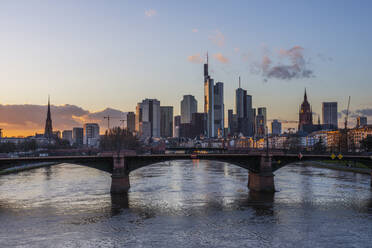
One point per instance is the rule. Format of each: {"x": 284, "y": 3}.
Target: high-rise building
{"x": 361, "y": 121}
{"x": 166, "y": 121}
{"x": 148, "y": 118}
{"x": 48, "y": 133}
{"x": 261, "y": 122}
{"x": 197, "y": 124}
{"x": 219, "y": 110}
{"x": 67, "y": 135}
{"x": 276, "y": 127}
{"x": 305, "y": 115}
{"x": 244, "y": 112}
{"x": 91, "y": 134}
{"x": 131, "y": 121}
{"x": 208, "y": 102}
{"x": 189, "y": 105}
{"x": 78, "y": 136}
{"x": 176, "y": 126}
{"x": 330, "y": 118}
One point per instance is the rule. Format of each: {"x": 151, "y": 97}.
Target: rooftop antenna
{"x": 239, "y": 82}
{"x": 207, "y": 57}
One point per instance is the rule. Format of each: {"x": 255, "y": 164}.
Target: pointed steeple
{"x": 48, "y": 132}
{"x": 305, "y": 96}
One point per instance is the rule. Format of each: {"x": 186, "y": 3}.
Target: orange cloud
{"x": 195, "y": 30}
{"x": 221, "y": 58}
{"x": 195, "y": 58}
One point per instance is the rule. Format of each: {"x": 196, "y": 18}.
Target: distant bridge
{"x": 260, "y": 166}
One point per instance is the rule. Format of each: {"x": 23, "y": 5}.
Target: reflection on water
{"x": 184, "y": 203}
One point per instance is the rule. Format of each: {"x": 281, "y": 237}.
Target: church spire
{"x": 48, "y": 133}
{"x": 305, "y": 96}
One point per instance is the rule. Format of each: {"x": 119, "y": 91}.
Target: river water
{"x": 185, "y": 204}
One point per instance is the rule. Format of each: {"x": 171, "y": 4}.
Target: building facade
{"x": 276, "y": 127}
{"x": 166, "y": 121}
{"x": 189, "y": 105}
{"x": 131, "y": 121}
{"x": 361, "y": 121}
{"x": 261, "y": 123}
{"x": 148, "y": 118}
{"x": 78, "y": 136}
{"x": 305, "y": 115}
{"x": 329, "y": 114}
{"x": 219, "y": 110}
{"x": 91, "y": 134}
{"x": 67, "y": 135}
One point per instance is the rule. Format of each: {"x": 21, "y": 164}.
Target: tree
{"x": 367, "y": 143}
{"x": 117, "y": 138}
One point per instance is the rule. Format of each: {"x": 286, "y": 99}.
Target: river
{"x": 185, "y": 204}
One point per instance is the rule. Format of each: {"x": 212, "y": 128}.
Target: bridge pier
{"x": 120, "y": 176}
{"x": 264, "y": 180}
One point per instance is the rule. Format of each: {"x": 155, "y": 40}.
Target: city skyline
{"x": 75, "y": 71}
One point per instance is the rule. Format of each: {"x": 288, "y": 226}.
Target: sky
{"x": 100, "y": 57}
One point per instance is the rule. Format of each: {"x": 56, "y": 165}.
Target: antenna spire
{"x": 207, "y": 58}
{"x": 239, "y": 83}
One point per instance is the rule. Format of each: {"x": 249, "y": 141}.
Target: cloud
{"x": 236, "y": 49}
{"x": 195, "y": 30}
{"x": 27, "y": 119}
{"x": 218, "y": 38}
{"x": 221, "y": 58}
{"x": 195, "y": 58}
{"x": 365, "y": 112}
{"x": 291, "y": 64}
{"x": 150, "y": 12}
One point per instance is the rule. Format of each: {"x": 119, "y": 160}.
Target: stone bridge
{"x": 259, "y": 166}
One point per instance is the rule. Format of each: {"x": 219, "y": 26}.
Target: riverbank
{"x": 337, "y": 166}
{"x": 26, "y": 167}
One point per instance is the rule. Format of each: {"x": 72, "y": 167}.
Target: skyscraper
{"x": 148, "y": 118}
{"x": 330, "y": 118}
{"x": 244, "y": 112}
{"x": 131, "y": 121}
{"x": 91, "y": 134}
{"x": 305, "y": 115}
{"x": 166, "y": 121}
{"x": 276, "y": 127}
{"x": 67, "y": 135}
{"x": 48, "y": 133}
{"x": 189, "y": 105}
{"x": 208, "y": 102}
{"x": 219, "y": 110}
{"x": 176, "y": 126}
{"x": 78, "y": 136}
{"x": 261, "y": 122}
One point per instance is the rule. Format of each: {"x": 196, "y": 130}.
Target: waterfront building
{"x": 67, "y": 135}
{"x": 91, "y": 134}
{"x": 189, "y": 105}
{"x": 276, "y": 127}
{"x": 329, "y": 112}
{"x": 166, "y": 121}
{"x": 131, "y": 121}
{"x": 148, "y": 118}
{"x": 78, "y": 136}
